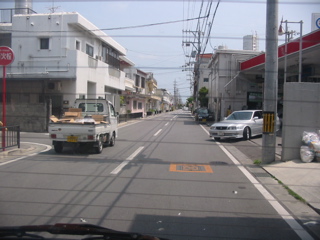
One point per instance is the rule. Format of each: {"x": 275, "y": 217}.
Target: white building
{"x": 251, "y": 42}
{"x": 204, "y": 72}
{"x": 59, "y": 57}
{"x": 315, "y": 21}
{"x": 228, "y": 89}
{"x": 135, "y": 93}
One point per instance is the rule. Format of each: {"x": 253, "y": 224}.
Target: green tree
{"x": 189, "y": 100}
{"x": 203, "y": 99}
{"x": 122, "y": 100}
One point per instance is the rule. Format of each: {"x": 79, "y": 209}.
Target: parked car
{"x": 240, "y": 124}
{"x": 203, "y": 115}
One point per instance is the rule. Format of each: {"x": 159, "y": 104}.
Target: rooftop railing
{"x": 6, "y": 14}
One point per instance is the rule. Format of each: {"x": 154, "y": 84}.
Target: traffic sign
{"x": 318, "y": 22}
{"x": 6, "y": 56}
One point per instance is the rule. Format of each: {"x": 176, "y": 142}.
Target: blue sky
{"x": 158, "y": 48}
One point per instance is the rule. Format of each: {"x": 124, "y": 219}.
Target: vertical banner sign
{"x": 6, "y": 58}
{"x": 268, "y": 122}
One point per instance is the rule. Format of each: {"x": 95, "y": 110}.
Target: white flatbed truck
{"x": 94, "y": 123}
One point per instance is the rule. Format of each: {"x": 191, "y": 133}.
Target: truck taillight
{"x": 90, "y": 137}
{"x": 53, "y": 135}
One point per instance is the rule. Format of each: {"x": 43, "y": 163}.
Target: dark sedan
{"x": 204, "y": 115}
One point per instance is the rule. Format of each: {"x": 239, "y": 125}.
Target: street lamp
{"x": 287, "y": 39}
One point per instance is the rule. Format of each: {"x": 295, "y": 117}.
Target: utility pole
{"x": 270, "y": 83}
{"x": 288, "y": 37}
{"x": 175, "y": 94}
{"x": 197, "y": 46}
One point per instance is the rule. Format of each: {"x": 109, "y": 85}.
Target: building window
{"x": 143, "y": 82}
{"x": 110, "y": 56}
{"x": 44, "y": 43}
{"x": 137, "y": 81}
{"x": 89, "y": 50}
{"x": 139, "y": 105}
{"x": 78, "y": 45}
{"x": 134, "y": 104}
{"x": 206, "y": 80}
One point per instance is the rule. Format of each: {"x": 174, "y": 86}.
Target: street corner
{"x": 25, "y": 149}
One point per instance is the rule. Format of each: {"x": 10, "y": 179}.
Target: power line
{"x": 149, "y": 25}
{"x": 209, "y": 32}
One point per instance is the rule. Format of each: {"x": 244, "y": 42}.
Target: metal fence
{"x": 10, "y": 137}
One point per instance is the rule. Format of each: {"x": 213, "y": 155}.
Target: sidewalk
{"x": 302, "y": 178}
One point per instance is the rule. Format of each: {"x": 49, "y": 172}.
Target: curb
{"x": 12, "y": 152}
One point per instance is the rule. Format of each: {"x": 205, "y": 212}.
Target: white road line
{"x": 300, "y": 231}
{"x": 166, "y": 124}
{"x": 173, "y": 117}
{"x": 157, "y": 133}
{"x": 125, "y": 162}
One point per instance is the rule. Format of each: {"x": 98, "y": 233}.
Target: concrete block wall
{"x": 30, "y": 117}
{"x": 301, "y": 112}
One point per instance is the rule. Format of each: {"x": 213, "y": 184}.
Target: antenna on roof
{"x": 53, "y": 8}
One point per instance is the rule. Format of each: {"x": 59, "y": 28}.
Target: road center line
{"x": 300, "y": 231}
{"x": 157, "y": 133}
{"x": 166, "y": 124}
{"x": 125, "y": 162}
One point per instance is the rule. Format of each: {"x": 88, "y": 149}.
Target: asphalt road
{"x": 163, "y": 177}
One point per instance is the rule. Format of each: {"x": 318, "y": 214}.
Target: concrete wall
{"x": 301, "y": 112}
{"x": 30, "y": 117}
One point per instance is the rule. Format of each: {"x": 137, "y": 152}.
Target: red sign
{"x": 6, "y": 56}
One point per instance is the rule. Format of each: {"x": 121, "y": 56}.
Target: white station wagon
{"x": 239, "y": 124}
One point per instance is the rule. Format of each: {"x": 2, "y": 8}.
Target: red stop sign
{"x": 6, "y": 56}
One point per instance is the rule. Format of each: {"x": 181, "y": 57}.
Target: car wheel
{"x": 112, "y": 141}
{"x": 58, "y": 146}
{"x": 100, "y": 146}
{"x": 216, "y": 138}
{"x": 246, "y": 133}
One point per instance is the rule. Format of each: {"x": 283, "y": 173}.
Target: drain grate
{"x": 190, "y": 168}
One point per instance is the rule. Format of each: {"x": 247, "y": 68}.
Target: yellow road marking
{"x": 190, "y": 168}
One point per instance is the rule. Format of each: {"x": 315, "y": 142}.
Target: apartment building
{"x": 58, "y": 57}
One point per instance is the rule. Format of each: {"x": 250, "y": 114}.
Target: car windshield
{"x": 240, "y": 116}
{"x": 203, "y": 111}
{"x": 113, "y": 114}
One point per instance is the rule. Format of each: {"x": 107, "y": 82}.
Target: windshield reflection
{"x": 240, "y": 116}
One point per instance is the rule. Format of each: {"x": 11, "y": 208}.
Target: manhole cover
{"x": 190, "y": 168}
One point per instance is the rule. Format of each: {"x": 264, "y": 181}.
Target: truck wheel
{"x": 112, "y": 141}
{"x": 58, "y": 146}
{"x": 100, "y": 146}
